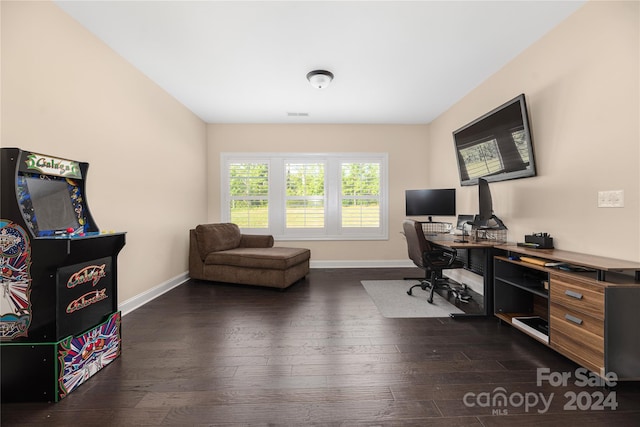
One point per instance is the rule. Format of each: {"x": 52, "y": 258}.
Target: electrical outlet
{"x": 611, "y": 199}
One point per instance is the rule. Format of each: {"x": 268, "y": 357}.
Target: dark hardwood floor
{"x": 319, "y": 353}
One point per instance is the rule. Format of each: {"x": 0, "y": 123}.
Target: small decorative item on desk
{"x": 498, "y": 235}
{"x": 538, "y": 241}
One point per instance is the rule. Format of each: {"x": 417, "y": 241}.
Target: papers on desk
{"x": 542, "y": 262}
{"x": 536, "y": 261}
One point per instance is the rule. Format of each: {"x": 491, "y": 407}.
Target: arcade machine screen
{"x": 51, "y": 205}
{"x": 52, "y": 200}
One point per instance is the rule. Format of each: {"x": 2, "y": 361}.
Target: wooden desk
{"x": 599, "y": 263}
{"x": 588, "y": 318}
{"x": 449, "y": 241}
{"x": 486, "y": 246}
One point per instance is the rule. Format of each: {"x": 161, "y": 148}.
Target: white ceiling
{"x": 246, "y": 62}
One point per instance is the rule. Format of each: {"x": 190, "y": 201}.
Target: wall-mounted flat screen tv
{"x": 497, "y": 146}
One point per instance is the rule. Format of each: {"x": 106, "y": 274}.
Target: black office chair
{"x": 432, "y": 260}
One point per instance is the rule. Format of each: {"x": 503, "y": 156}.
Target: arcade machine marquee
{"x": 59, "y": 319}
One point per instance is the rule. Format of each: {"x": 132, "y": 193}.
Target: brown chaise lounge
{"x": 221, "y": 253}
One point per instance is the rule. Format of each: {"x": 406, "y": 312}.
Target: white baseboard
{"x": 398, "y": 263}
{"x": 141, "y": 299}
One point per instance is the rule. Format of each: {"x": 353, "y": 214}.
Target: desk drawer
{"x": 577, "y": 294}
{"x": 577, "y": 336}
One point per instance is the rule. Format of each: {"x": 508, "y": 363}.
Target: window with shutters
{"x": 360, "y": 194}
{"x": 248, "y": 194}
{"x": 302, "y": 196}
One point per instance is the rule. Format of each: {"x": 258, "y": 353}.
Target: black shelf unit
{"x": 520, "y": 290}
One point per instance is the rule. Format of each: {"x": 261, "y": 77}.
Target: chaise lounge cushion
{"x": 217, "y": 237}
{"x": 275, "y": 258}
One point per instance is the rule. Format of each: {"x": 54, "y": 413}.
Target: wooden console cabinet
{"x": 592, "y": 317}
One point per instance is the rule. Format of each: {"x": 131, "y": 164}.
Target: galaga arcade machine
{"x": 59, "y": 318}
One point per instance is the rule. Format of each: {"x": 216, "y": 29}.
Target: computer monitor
{"x": 486, "y": 218}
{"x": 464, "y": 220}
{"x": 430, "y": 202}
{"x": 485, "y": 203}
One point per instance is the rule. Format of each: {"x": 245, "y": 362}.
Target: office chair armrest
{"x": 451, "y": 254}
{"x": 441, "y": 254}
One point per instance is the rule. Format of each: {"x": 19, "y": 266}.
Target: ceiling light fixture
{"x": 320, "y": 78}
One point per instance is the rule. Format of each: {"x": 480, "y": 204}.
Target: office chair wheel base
{"x": 409, "y": 292}
{"x": 430, "y": 300}
{"x": 463, "y": 297}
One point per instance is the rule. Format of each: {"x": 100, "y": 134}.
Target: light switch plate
{"x": 611, "y": 199}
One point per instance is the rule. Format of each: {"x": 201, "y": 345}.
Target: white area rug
{"x": 390, "y": 296}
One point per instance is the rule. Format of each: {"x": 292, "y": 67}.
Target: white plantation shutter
{"x": 248, "y": 194}
{"x": 360, "y": 194}
{"x": 305, "y": 202}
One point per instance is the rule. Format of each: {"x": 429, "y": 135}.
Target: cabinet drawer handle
{"x": 573, "y": 294}
{"x": 573, "y": 319}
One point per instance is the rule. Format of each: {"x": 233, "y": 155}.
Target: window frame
{"x": 333, "y": 229}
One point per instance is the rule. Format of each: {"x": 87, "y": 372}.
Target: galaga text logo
{"x": 91, "y": 273}
{"x": 53, "y": 166}
{"x": 87, "y": 299}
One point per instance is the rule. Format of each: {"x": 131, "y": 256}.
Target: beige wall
{"x": 582, "y": 84}
{"x": 582, "y": 88}
{"x": 66, "y": 94}
{"x": 407, "y": 148}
